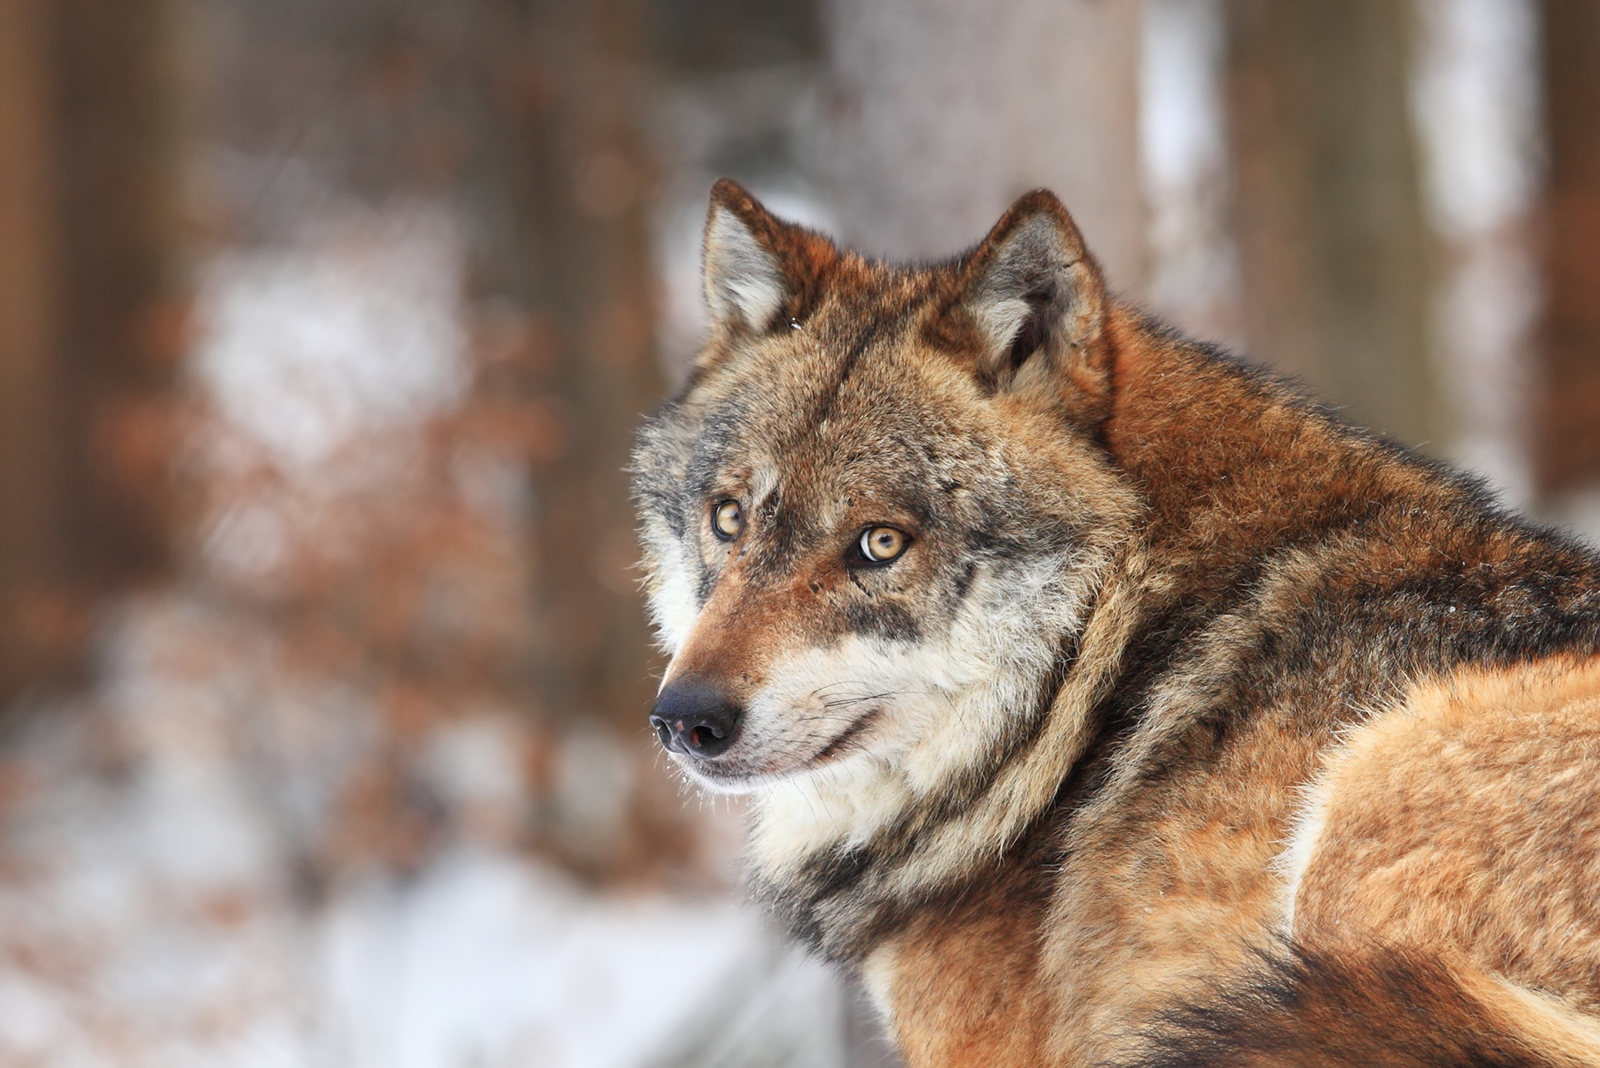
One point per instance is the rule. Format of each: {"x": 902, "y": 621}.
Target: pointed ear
{"x": 1033, "y": 295}
{"x": 758, "y": 267}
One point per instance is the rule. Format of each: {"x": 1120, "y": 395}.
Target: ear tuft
{"x": 744, "y": 278}
{"x": 1031, "y": 288}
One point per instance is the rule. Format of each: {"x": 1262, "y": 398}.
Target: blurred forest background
{"x": 324, "y": 328}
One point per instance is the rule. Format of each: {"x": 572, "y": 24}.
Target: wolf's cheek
{"x": 674, "y": 609}
{"x": 670, "y": 585}
{"x": 751, "y": 699}
{"x": 856, "y": 697}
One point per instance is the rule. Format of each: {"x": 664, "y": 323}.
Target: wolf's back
{"x": 1377, "y": 1007}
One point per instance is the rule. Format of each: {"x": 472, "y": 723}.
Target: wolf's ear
{"x": 756, "y": 265}
{"x": 1031, "y": 290}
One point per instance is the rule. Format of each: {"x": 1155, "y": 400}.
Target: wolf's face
{"x": 874, "y": 520}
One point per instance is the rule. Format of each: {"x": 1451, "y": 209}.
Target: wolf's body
{"x": 1170, "y": 722}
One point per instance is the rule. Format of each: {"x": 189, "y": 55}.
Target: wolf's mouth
{"x": 846, "y": 738}
{"x": 731, "y": 770}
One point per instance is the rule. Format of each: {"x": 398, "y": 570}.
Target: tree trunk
{"x": 566, "y": 178}
{"x": 85, "y": 205}
{"x": 1333, "y": 246}
{"x": 1566, "y": 409}
{"x": 945, "y": 112}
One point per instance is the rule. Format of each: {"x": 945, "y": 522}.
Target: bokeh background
{"x": 324, "y": 327}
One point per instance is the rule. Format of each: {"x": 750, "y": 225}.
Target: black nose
{"x": 693, "y": 717}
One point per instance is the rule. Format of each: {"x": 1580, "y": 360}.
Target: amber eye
{"x": 727, "y": 519}
{"x": 882, "y": 544}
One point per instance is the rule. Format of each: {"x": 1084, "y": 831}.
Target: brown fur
{"x": 1381, "y": 1007}
{"x": 1316, "y": 780}
{"x": 1446, "y": 817}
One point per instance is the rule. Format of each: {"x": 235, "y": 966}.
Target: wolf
{"x": 1100, "y": 698}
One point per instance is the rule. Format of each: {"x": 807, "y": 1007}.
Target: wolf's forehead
{"x": 811, "y": 411}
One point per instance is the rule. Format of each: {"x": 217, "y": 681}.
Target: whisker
{"x": 845, "y": 702}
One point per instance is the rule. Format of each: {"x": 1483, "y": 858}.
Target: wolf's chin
{"x": 732, "y": 786}
{"x": 741, "y": 783}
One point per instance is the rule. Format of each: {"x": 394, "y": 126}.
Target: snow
{"x": 488, "y": 961}
{"x": 307, "y": 347}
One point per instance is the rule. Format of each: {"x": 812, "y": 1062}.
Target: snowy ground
{"x": 151, "y": 916}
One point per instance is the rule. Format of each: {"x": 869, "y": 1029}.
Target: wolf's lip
{"x": 845, "y": 738}
{"x": 737, "y": 772}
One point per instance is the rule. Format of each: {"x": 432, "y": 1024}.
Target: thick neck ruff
{"x": 839, "y": 882}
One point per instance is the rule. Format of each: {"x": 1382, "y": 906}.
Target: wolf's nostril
{"x": 662, "y": 731}
{"x": 703, "y": 736}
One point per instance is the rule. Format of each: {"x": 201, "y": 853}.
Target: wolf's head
{"x": 876, "y": 518}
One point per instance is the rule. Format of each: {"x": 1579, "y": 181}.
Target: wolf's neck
{"x": 842, "y": 860}
{"x": 1230, "y": 461}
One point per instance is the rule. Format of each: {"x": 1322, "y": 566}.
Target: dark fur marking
{"x": 1381, "y": 1007}
{"x": 866, "y": 333}
{"x": 718, "y": 440}
{"x": 883, "y": 619}
{"x": 656, "y": 487}
{"x": 1035, "y": 330}
{"x": 847, "y": 737}
{"x": 963, "y": 583}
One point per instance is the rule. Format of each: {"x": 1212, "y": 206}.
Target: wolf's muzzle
{"x": 695, "y": 718}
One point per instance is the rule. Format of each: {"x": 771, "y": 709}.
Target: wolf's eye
{"x": 882, "y": 544}
{"x": 727, "y": 520}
